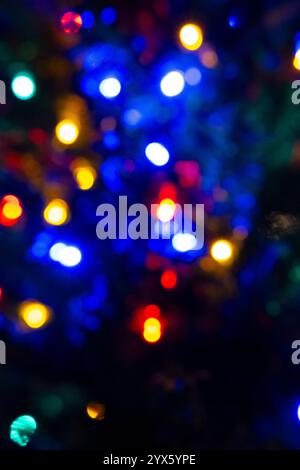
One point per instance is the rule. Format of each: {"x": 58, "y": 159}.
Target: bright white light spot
{"x": 192, "y": 76}
{"x": 184, "y": 242}
{"x": 23, "y": 86}
{"x": 157, "y": 154}
{"x": 56, "y": 250}
{"x": 110, "y": 87}
{"x": 298, "y": 412}
{"x": 70, "y": 256}
{"x": 172, "y": 84}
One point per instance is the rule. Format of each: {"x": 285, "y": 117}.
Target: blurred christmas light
{"x": 84, "y": 174}
{"x": 71, "y": 22}
{"x": 191, "y": 36}
{"x": 192, "y": 76}
{"x": 208, "y": 58}
{"x": 298, "y": 412}
{"x": 67, "y": 255}
{"x": 221, "y": 251}
{"x": 34, "y": 314}
{"x": 296, "y": 60}
{"x": 23, "y": 86}
{"x": 157, "y": 154}
{"x": 108, "y": 15}
{"x": 88, "y": 19}
{"x": 96, "y": 410}
{"x": 184, "y": 242}
{"x": 56, "y": 212}
{"x": 22, "y": 429}
{"x": 166, "y": 210}
{"x": 110, "y": 87}
{"x": 152, "y": 330}
{"x": 172, "y": 83}
{"x": 67, "y": 131}
{"x": 10, "y": 210}
{"x": 168, "y": 279}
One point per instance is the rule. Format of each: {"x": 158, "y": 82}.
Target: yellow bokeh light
{"x": 95, "y": 410}
{"x": 34, "y": 314}
{"x": 56, "y": 212}
{"x": 85, "y": 177}
{"x": 67, "y": 131}
{"x": 296, "y": 61}
{"x": 12, "y": 210}
{"x": 191, "y": 36}
{"x": 222, "y": 251}
{"x": 152, "y": 330}
{"x": 166, "y": 210}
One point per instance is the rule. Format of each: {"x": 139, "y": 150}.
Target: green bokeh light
{"x": 23, "y": 86}
{"x": 22, "y": 429}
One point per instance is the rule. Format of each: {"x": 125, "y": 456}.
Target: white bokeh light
{"x": 184, "y": 242}
{"x": 157, "y": 154}
{"x": 172, "y": 84}
{"x": 110, "y": 87}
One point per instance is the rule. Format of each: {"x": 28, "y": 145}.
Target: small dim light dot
{"x": 166, "y": 210}
{"x": 191, "y": 36}
{"x": 222, "y": 251}
{"x": 152, "y": 330}
{"x": 56, "y": 212}
{"x": 71, "y": 22}
{"x": 67, "y": 131}
{"x": 96, "y": 410}
{"x": 168, "y": 279}
{"x": 34, "y": 314}
{"x": 209, "y": 58}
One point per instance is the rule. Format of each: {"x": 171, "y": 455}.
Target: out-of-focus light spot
{"x": 10, "y": 210}
{"x": 209, "y": 58}
{"x": 193, "y": 76}
{"x": 207, "y": 264}
{"x": 110, "y": 87}
{"x": 111, "y": 140}
{"x": 67, "y": 131}
{"x": 56, "y": 250}
{"x": 222, "y": 251}
{"x": 108, "y": 123}
{"x": 151, "y": 310}
{"x": 168, "y": 279}
{"x": 23, "y": 86}
{"x": 88, "y": 19}
{"x": 296, "y": 60}
{"x": 298, "y": 412}
{"x": 234, "y": 21}
{"x": 108, "y": 15}
{"x": 132, "y": 117}
{"x": 70, "y": 256}
{"x": 34, "y": 314}
{"x": 157, "y": 154}
{"x": 67, "y": 255}
{"x": 166, "y": 210}
{"x": 84, "y": 174}
{"x": 22, "y": 429}
{"x": 273, "y": 308}
{"x": 71, "y": 22}
{"x": 56, "y": 212}
{"x": 191, "y": 36}
{"x": 172, "y": 83}
{"x": 152, "y": 330}
{"x": 184, "y": 242}
{"x": 95, "y": 410}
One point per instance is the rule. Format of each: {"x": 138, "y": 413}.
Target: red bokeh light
{"x": 71, "y": 22}
{"x": 168, "y": 279}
